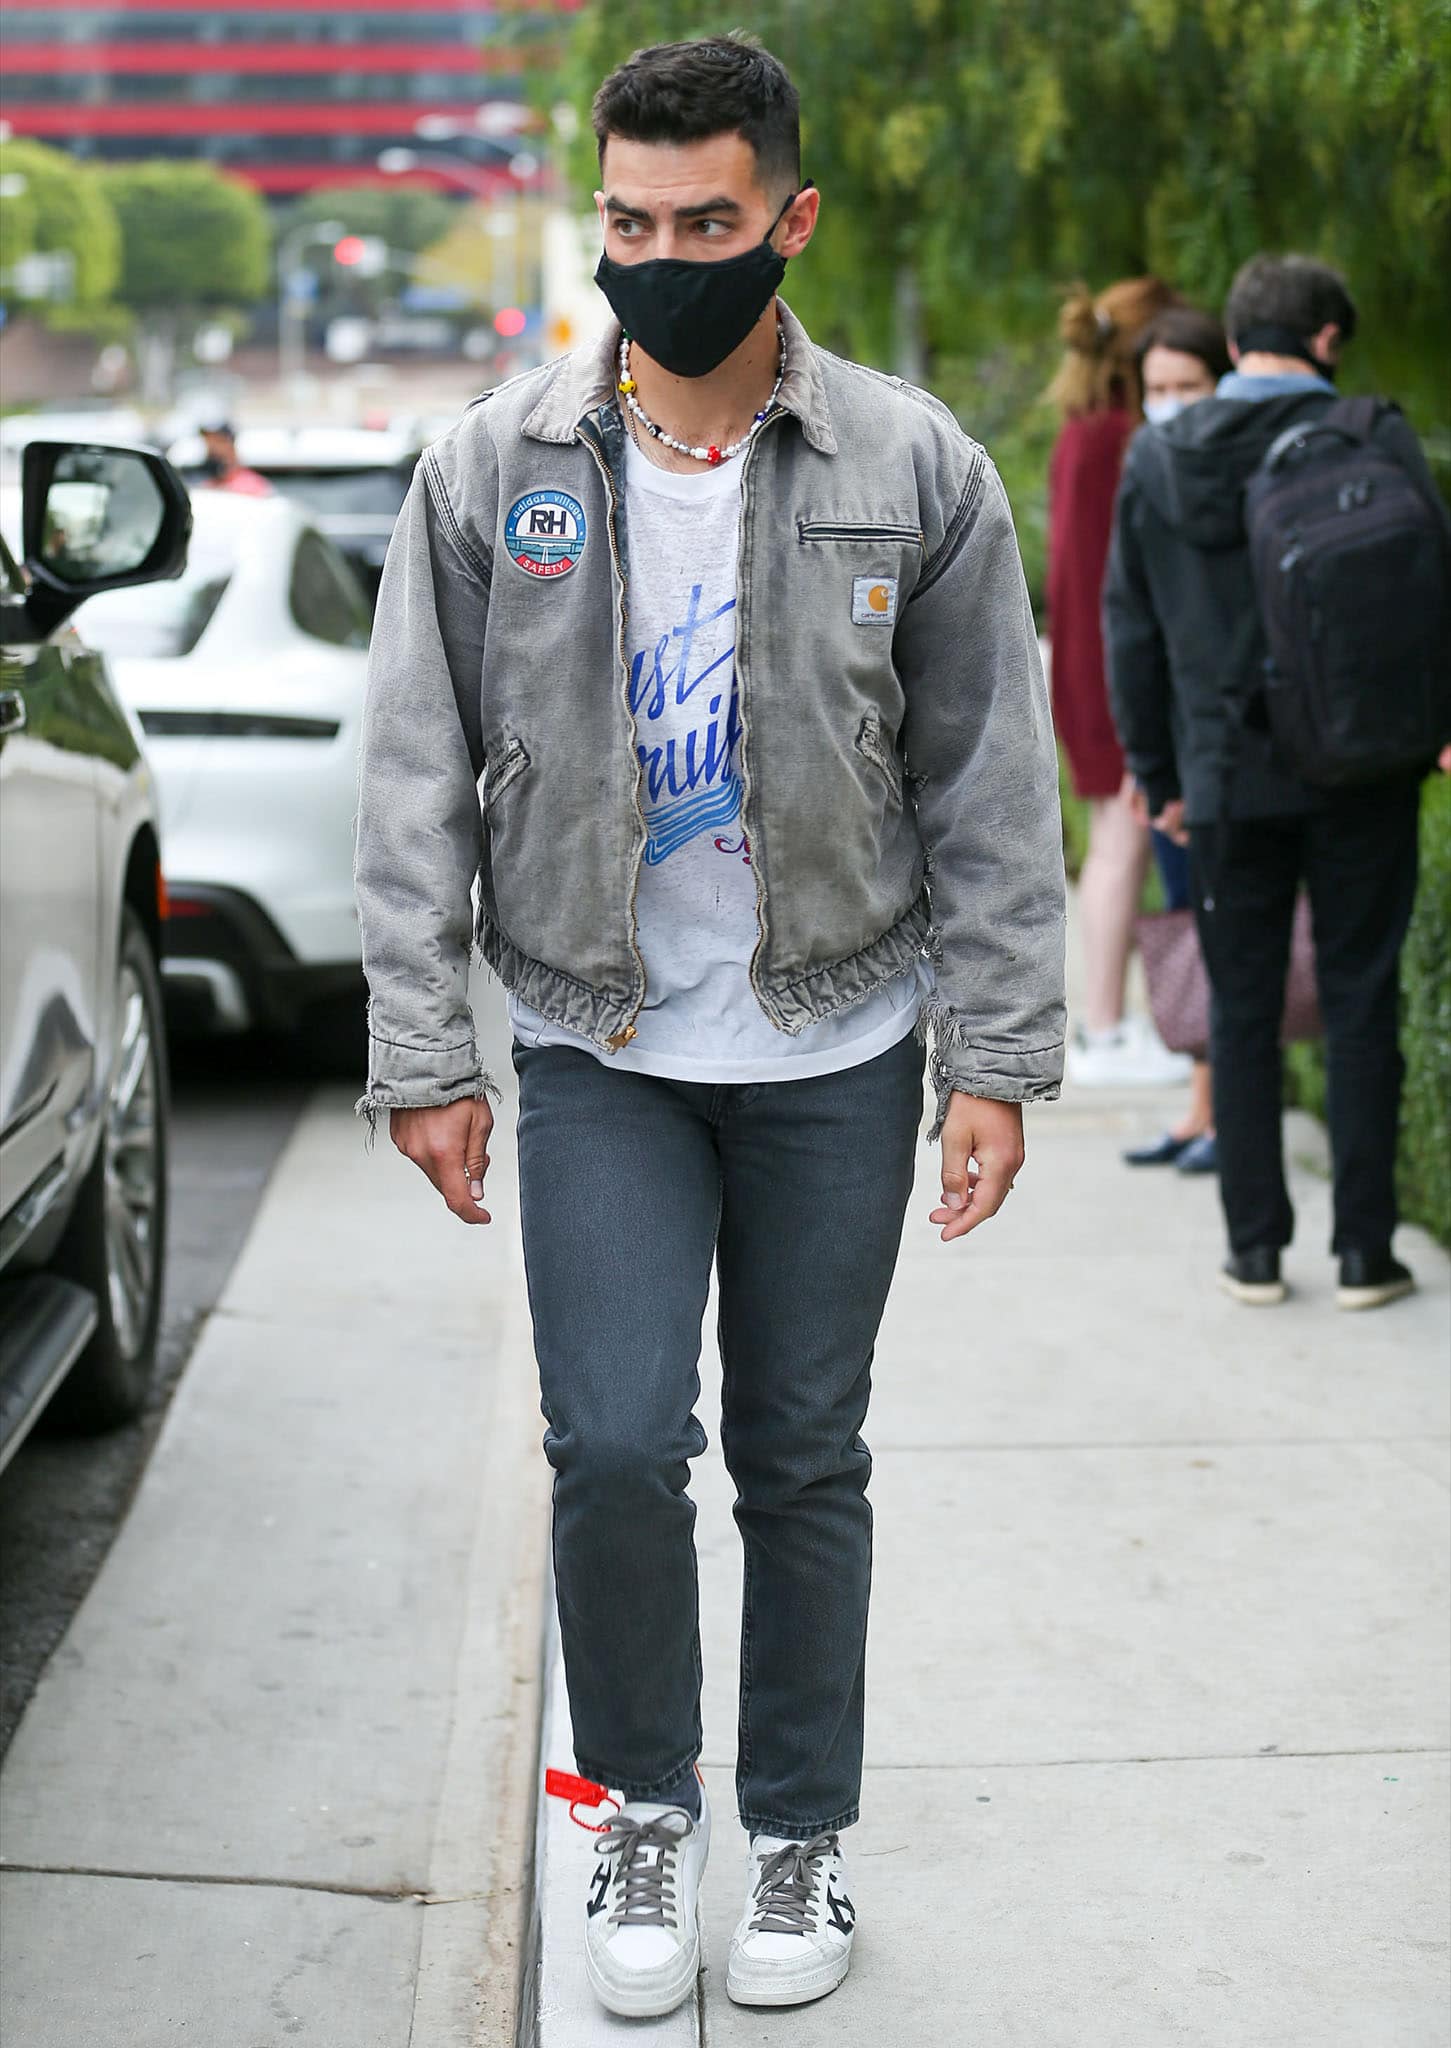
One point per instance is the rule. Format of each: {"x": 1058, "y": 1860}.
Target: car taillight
{"x": 163, "y": 901}
{"x": 188, "y": 906}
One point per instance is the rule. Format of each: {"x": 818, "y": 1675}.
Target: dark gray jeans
{"x": 628, "y": 1184}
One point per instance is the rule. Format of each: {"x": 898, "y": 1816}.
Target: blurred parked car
{"x": 83, "y": 1098}
{"x": 77, "y": 419}
{"x": 247, "y": 676}
{"x": 352, "y": 481}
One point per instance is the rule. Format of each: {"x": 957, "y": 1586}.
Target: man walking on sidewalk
{"x": 1187, "y": 660}
{"x": 736, "y": 636}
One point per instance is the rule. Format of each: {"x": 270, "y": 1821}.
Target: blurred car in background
{"x": 247, "y": 676}
{"x": 83, "y": 1094}
{"x": 77, "y": 419}
{"x": 351, "y": 480}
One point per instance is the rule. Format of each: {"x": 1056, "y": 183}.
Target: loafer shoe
{"x": 1164, "y": 1151}
{"x": 1200, "y": 1155}
{"x": 1371, "y": 1279}
{"x": 1253, "y": 1277}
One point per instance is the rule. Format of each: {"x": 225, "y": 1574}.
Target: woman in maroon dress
{"x": 1097, "y": 390}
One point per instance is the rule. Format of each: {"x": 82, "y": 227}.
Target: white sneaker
{"x": 642, "y": 1933}
{"x": 1131, "y": 1055}
{"x": 794, "y": 1939}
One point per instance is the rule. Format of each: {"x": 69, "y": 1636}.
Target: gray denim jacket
{"x": 899, "y": 782}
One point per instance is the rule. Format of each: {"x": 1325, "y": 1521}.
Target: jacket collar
{"x": 585, "y": 380}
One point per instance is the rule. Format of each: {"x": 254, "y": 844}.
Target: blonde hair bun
{"x": 1080, "y": 326}
{"x": 1098, "y": 336}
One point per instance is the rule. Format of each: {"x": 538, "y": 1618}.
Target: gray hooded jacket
{"x": 899, "y": 782}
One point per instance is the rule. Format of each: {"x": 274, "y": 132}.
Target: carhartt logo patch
{"x": 874, "y": 600}
{"x": 544, "y": 534}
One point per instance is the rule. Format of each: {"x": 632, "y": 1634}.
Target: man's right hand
{"x": 450, "y": 1145}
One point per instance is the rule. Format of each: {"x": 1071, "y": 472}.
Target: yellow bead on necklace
{"x": 711, "y": 455}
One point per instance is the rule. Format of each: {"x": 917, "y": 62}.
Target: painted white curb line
{"x": 562, "y": 2011}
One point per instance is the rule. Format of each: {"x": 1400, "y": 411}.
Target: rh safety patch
{"x": 874, "y": 600}
{"x": 544, "y": 533}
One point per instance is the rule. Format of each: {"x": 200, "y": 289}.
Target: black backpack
{"x": 1352, "y": 566}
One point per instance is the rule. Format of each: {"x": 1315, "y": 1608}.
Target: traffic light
{"x": 365, "y": 255}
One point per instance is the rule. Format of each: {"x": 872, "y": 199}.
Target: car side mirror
{"x": 97, "y": 518}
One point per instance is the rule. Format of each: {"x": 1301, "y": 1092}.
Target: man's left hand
{"x": 992, "y": 1134}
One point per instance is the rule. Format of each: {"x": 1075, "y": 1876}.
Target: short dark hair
{"x": 712, "y": 85}
{"x": 1288, "y": 291}
{"x": 1191, "y": 332}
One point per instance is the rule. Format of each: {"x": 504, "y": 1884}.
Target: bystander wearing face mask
{"x": 1159, "y": 411}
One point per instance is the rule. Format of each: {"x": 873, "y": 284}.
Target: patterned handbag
{"x": 1179, "y": 985}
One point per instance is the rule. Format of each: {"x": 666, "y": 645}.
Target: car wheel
{"x": 115, "y": 1242}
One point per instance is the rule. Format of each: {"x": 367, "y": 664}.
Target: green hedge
{"x": 1425, "y": 1147}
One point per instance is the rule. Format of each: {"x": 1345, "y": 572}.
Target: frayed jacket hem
{"x": 791, "y": 1006}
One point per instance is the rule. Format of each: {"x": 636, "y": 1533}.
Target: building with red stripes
{"x": 287, "y": 96}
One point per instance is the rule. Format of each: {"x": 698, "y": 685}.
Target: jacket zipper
{"x": 873, "y": 748}
{"x": 762, "y": 918}
{"x": 588, "y": 433}
{"x": 511, "y": 765}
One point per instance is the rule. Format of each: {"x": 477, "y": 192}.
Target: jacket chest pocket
{"x": 873, "y": 745}
{"x": 882, "y": 533}
{"x": 502, "y": 768}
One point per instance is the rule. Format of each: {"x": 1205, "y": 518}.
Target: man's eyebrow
{"x": 704, "y": 208}
{"x": 708, "y": 206}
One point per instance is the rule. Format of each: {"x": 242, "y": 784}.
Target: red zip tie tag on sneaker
{"x": 580, "y": 1792}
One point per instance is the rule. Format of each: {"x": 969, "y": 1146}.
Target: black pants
{"x": 1357, "y": 857}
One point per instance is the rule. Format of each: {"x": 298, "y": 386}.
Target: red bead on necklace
{"x": 713, "y": 456}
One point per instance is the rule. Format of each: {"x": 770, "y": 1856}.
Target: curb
{"x": 557, "y": 2008}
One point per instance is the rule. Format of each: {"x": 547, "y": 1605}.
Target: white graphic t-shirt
{"x": 696, "y": 924}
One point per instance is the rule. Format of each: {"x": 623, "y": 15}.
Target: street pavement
{"x": 233, "y": 1105}
{"x": 275, "y": 1785}
{"x": 1157, "y": 1745}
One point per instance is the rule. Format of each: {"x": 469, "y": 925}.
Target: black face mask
{"x": 1270, "y": 338}
{"x": 213, "y": 467}
{"x": 690, "y": 316}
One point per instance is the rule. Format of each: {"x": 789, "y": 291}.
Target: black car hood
{"x": 1194, "y": 469}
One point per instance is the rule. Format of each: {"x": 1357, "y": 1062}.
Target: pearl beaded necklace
{"x": 712, "y": 455}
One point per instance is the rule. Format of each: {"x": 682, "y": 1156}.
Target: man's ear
{"x": 600, "y": 207}
{"x": 800, "y": 222}
{"x": 1326, "y": 344}
{"x": 1233, "y": 347}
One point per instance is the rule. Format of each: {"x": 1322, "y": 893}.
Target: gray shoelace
{"x": 784, "y": 1887}
{"x": 647, "y": 1851}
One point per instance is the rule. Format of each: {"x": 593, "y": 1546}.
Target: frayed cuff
{"x": 959, "y": 1067}
{"x": 384, "y": 1096}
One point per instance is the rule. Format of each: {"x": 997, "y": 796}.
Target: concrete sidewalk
{"x": 1157, "y": 1742}
{"x": 276, "y": 1785}
{"x": 1157, "y": 1746}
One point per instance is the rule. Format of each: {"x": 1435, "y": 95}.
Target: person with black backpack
{"x": 1276, "y": 621}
